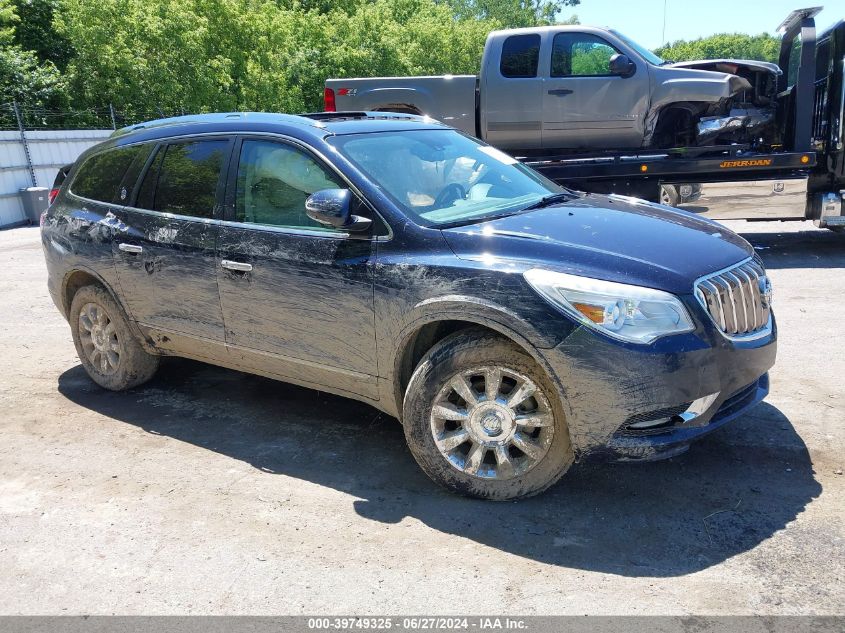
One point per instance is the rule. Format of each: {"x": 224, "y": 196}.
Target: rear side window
{"x": 183, "y": 178}
{"x": 101, "y": 175}
{"x": 520, "y": 54}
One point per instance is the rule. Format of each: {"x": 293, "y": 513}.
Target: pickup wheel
{"x": 483, "y": 419}
{"x": 104, "y": 343}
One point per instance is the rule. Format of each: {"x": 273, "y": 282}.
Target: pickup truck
{"x": 580, "y": 88}
{"x": 590, "y": 109}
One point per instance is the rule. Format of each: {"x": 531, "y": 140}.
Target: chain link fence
{"x": 36, "y": 142}
{"x": 14, "y": 116}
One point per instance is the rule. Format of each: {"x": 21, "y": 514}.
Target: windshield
{"x": 650, "y": 57}
{"x": 441, "y": 177}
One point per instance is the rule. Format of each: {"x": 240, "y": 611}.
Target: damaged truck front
{"x": 738, "y": 104}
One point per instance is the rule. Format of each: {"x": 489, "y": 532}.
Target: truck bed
{"x": 447, "y": 98}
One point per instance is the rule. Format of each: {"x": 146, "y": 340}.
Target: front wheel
{"x": 483, "y": 419}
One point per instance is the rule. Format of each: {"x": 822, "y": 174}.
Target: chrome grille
{"x": 738, "y": 299}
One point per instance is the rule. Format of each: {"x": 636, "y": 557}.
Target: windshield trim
{"x": 650, "y": 57}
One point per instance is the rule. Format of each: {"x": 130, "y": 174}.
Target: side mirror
{"x": 332, "y": 207}
{"x": 622, "y": 65}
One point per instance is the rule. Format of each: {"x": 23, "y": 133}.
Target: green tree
{"x": 202, "y": 55}
{"x": 23, "y": 78}
{"x": 763, "y": 47}
{"x": 34, "y": 32}
{"x": 510, "y": 13}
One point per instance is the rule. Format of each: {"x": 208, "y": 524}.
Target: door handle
{"x": 130, "y": 248}
{"x": 240, "y": 267}
{"x": 560, "y": 92}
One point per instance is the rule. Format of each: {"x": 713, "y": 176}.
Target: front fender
{"x": 477, "y": 311}
{"x": 681, "y": 85}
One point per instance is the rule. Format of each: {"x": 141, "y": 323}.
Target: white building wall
{"x": 49, "y": 149}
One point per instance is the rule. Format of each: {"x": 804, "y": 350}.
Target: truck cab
{"x": 556, "y": 87}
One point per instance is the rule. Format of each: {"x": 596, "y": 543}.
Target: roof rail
{"x": 328, "y": 116}
{"x": 355, "y": 114}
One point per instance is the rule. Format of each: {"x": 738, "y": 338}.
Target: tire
{"x": 669, "y": 195}
{"x": 489, "y": 464}
{"x": 105, "y": 344}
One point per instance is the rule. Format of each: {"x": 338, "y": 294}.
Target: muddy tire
{"x": 106, "y": 346}
{"x": 484, "y": 420}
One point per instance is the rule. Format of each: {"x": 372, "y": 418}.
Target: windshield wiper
{"x": 552, "y": 199}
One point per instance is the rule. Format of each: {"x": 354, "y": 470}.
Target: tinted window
{"x": 133, "y": 172}
{"x": 794, "y": 61}
{"x": 146, "y": 193}
{"x": 274, "y": 181}
{"x": 580, "y": 54}
{"x": 520, "y": 54}
{"x": 100, "y": 176}
{"x": 822, "y": 59}
{"x": 183, "y": 178}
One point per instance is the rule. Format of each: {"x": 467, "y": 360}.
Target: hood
{"x": 614, "y": 238}
{"x": 725, "y": 65}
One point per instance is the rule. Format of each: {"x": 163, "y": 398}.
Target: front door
{"x": 165, "y": 245}
{"x": 584, "y": 105}
{"x": 297, "y": 297}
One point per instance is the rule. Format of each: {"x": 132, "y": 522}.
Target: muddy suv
{"x": 513, "y": 326}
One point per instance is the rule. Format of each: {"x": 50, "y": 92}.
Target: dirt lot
{"x": 210, "y": 491}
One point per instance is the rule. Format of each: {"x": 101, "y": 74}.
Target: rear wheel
{"x": 104, "y": 343}
{"x": 483, "y": 419}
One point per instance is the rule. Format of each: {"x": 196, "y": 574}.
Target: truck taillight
{"x": 328, "y": 100}
{"x": 53, "y": 194}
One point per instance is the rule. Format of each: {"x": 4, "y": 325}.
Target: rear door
{"x": 511, "y": 102}
{"x": 584, "y": 105}
{"x": 165, "y": 249}
{"x": 297, "y": 296}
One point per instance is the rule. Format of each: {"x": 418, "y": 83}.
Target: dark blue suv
{"x": 512, "y": 325}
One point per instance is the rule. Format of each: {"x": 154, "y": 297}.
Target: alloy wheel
{"x": 492, "y": 422}
{"x": 99, "y": 338}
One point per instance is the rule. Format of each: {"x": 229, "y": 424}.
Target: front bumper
{"x": 608, "y": 387}
{"x": 676, "y": 439}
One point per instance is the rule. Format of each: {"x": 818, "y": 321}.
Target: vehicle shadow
{"x": 731, "y": 492}
{"x": 803, "y": 249}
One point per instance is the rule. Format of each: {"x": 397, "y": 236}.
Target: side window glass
{"x": 273, "y": 182}
{"x": 100, "y": 176}
{"x": 183, "y": 178}
{"x": 132, "y": 173}
{"x": 146, "y": 193}
{"x": 580, "y": 55}
{"x": 520, "y": 54}
{"x": 794, "y": 61}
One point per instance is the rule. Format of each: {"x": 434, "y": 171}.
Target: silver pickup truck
{"x": 581, "y": 88}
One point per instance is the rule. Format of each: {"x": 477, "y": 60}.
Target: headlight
{"x": 628, "y": 313}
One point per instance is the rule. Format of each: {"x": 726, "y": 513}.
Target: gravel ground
{"x": 209, "y": 491}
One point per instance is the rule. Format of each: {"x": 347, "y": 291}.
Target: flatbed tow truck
{"x": 802, "y": 179}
